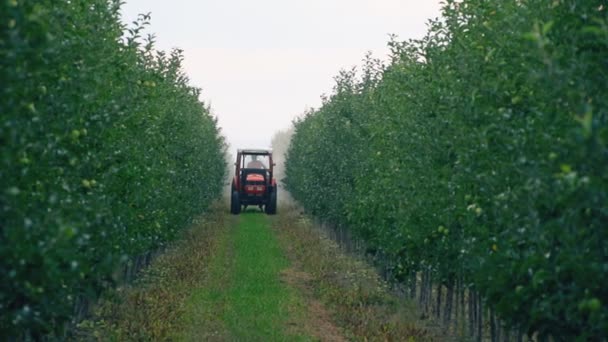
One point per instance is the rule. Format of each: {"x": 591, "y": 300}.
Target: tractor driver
{"x": 255, "y": 163}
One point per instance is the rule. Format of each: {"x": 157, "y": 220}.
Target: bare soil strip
{"x": 346, "y": 297}
{"x": 318, "y": 321}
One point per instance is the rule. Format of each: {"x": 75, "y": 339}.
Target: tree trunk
{"x": 507, "y": 335}
{"x": 422, "y": 288}
{"x": 479, "y": 318}
{"x": 439, "y": 295}
{"x": 493, "y": 333}
{"x": 413, "y": 281}
{"x": 520, "y": 335}
{"x": 449, "y": 298}
{"x": 471, "y": 313}
{"x": 463, "y": 307}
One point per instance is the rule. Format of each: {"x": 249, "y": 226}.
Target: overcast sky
{"x": 262, "y": 63}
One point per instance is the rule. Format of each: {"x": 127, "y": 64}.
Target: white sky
{"x": 262, "y": 63}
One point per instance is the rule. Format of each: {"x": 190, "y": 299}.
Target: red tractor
{"x": 253, "y": 182}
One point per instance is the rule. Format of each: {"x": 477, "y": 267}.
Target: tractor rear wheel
{"x": 271, "y": 206}
{"x": 235, "y": 203}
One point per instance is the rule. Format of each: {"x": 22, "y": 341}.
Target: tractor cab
{"x": 253, "y": 182}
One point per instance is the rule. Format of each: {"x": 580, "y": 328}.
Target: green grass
{"x": 244, "y": 298}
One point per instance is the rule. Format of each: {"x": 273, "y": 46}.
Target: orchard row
{"x": 478, "y": 153}
{"x": 106, "y": 153}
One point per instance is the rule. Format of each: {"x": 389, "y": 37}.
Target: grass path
{"x": 255, "y": 277}
{"x": 245, "y": 298}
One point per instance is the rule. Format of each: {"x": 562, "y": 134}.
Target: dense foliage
{"x": 105, "y": 152}
{"x": 480, "y": 152}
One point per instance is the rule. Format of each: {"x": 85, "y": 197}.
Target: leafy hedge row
{"x": 480, "y": 152}
{"x": 105, "y": 152}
